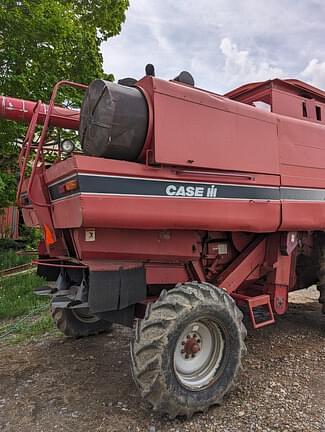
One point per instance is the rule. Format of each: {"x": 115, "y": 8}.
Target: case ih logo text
{"x": 192, "y": 191}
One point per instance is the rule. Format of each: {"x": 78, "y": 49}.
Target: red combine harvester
{"x": 185, "y": 208}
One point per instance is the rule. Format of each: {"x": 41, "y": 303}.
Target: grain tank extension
{"x": 114, "y": 121}
{"x": 184, "y": 210}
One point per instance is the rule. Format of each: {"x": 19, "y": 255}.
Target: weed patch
{"x": 11, "y": 258}
{"x": 23, "y": 315}
{"x": 17, "y": 297}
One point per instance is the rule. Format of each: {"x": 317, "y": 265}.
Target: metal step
{"x": 254, "y": 303}
{"x": 63, "y": 302}
{"x": 45, "y": 291}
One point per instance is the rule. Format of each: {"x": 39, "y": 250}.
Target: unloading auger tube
{"x": 113, "y": 121}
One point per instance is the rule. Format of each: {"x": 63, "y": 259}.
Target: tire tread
{"x": 148, "y": 375}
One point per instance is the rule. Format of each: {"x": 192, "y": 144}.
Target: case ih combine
{"x": 184, "y": 206}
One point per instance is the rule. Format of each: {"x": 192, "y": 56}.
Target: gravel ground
{"x": 58, "y": 384}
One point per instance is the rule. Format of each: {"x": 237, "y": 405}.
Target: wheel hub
{"x": 198, "y": 354}
{"x": 191, "y": 346}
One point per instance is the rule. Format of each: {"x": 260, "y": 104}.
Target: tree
{"x": 42, "y": 42}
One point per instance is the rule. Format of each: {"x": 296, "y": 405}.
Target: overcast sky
{"x": 223, "y": 43}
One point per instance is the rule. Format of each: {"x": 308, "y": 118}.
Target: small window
{"x": 262, "y": 105}
{"x": 304, "y": 109}
{"x": 319, "y": 113}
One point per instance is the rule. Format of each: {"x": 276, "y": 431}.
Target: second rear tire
{"x": 79, "y": 323}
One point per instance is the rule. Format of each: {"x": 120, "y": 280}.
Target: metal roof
{"x": 294, "y": 84}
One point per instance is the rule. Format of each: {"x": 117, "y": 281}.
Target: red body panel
{"x": 164, "y": 213}
{"x": 302, "y": 216}
{"x": 91, "y": 210}
{"x": 198, "y": 129}
{"x": 114, "y": 244}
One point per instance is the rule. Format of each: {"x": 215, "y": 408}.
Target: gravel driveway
{"x": 57, "y": 384}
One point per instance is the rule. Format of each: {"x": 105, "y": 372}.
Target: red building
{"x": 9, "y": 223}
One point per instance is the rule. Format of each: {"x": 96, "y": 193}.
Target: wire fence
{"x": 11, "y": 328}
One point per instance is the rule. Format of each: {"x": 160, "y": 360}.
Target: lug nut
{"x": 182, "y": 351}
{"x": 183, "y": 343}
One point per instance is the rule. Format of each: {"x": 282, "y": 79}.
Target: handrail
{"x": 39, "y": 150}
{"x": 26, "y": 147}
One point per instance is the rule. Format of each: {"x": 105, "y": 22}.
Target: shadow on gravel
{"x": 59, "y": 384}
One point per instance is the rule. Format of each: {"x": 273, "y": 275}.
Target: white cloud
{"x": 222, "y": 43}
{"x": 240, "y": 67}
{"x": 315, "y": 73}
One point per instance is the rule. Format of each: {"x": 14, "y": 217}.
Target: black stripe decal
{"x": 168, "y": 188}
{"x": 112, "y": 185}
{"x": 298, "y": 194}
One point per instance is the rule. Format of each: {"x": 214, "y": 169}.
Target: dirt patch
{"x": 59, "y": 384}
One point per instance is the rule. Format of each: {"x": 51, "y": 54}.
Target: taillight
{"x": 64, "y": 188}
{"x": 71, "y": 185}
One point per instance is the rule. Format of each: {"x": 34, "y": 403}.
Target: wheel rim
{"x": 198, "y": 354}
{"x": 83, "y": 315}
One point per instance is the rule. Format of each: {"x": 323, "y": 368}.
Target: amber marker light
{"x": 71, "y": 185}
{"x": 48, "y": 236}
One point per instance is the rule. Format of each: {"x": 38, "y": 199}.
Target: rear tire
{"x": 76, "y": 324}
{"x": 187, "y": 350}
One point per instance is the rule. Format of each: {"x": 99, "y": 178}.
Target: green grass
{"x": 29, "y": 329}
{"x": 23, "y": 315}
{"x": 17, "y": 297}
{"x": 10, "y": 258}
